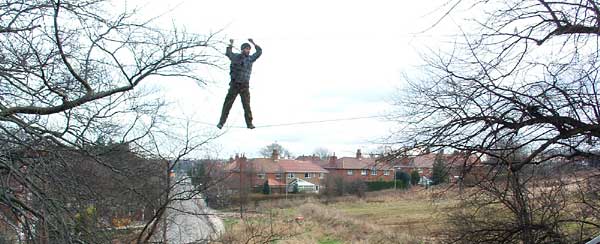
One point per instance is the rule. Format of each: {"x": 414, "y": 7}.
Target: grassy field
{"x": 381, "y": 217}
{"x": 415, "y": 216}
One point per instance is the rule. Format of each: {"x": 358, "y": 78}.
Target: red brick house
{"x": 277, "y": 172}
{"x": 358, "y": 168}
{"x": 421, "y": 163}
{"x": 456, "y": 163}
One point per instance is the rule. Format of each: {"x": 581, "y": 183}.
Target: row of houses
{"x": 308, "y": 173}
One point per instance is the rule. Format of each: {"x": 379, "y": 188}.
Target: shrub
{"x": 414, "y": 177}
{"x": 266, "y": 188}
{"x": 381, "y": 185}
{"x": 403, "y": 177}
{"x": 357, "y": 187}
{"x": 439, "y": 172}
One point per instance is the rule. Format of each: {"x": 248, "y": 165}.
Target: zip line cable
{"x": 319, "y": 121}
{"x": 292, "y": 123}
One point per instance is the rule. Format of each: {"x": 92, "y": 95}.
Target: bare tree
{"x": 531, "y": 205}
{"x": 496, "y": 86}
{"x": 528, "y": 75}
{"x": 322, "y": 153}
{"x": 267, "y": 151}
{"x": 71, "y": 74}
{"x": 177, "y": 195}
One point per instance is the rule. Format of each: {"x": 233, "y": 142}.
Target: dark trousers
{"x": 234, "y": 90}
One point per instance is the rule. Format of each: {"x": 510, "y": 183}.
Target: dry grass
{"x": 261, "y": 229}
{"x": 331, "y": 223}
{"x": 381, "y": 217}
{"x": 413, "y": 213}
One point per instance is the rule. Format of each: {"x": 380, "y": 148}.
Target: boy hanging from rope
{"x": 240, "y": 70}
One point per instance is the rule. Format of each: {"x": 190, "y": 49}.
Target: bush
{"x": 403, "y": 177}
{"x": 266, "y": 188}
{"x": 439, "y": 173}
{"x": 381, "y": 185}
{"x": 357, "y": 187}
{"x": 338, "y": 186}
{"x": 414, "y": 177}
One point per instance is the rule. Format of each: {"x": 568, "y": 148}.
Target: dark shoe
{"x": 220, "y": 126}
{"x": 251, "y": 126}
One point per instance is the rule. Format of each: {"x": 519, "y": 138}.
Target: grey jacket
{"x": 241, "y": 65}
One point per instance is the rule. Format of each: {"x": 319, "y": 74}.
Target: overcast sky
{"x": 322, "y": 60}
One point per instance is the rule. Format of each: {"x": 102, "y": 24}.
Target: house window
{"x": 373, "y": 171}
{"x": 291, "y": 175}
{"x": 349, "y": 172}
{"x": 321, "y": 175}
{"x": 278, "y": 176}
{"x": 261, "y": 175}
{"x": 307, "y": 175}
{"x": 363, "y": 172}
{"x": 386, "y": 172}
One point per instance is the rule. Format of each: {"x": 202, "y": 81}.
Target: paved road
{"x": 191, "y": 221}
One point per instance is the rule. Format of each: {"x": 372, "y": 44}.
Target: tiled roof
{"x": 312, "y": 158}
{"x": 300, "y": 166}
{"x": 424, "y": 161}
{"x": 427, "y": 160}
{"x": 268, "y": 165}
{"x": 315, "y": 160}
{"x": 355, "y": 163}
{"x": 265, "y": 165}
{"x": 273, "y": 182}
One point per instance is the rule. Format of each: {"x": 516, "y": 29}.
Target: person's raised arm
{"x": 258, "y": 52}
{"x": 229, "y": 51}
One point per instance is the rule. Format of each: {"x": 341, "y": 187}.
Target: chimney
{"x": 332, "y": 159}
{"x": 275, "y": 155}
{"x": 241, "y": 162}
{"x": 358, "y": 154}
